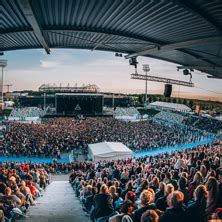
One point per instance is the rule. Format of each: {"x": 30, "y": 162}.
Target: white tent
{"x": 108, "y": 151}
{"x": 170, "y": 106}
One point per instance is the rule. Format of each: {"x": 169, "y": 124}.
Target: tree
{"x": 191, "y": 104}
{"x": 174, "y": 100}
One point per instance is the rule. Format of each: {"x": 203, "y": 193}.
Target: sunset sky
{"x": 28, "y": 69}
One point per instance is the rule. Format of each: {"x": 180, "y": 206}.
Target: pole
{"x": 2, "y": 87}
{"x": 56, "y": 103}
{"x": 44, "y": 102}
{"x": 146, "y": 92}
{"x": 113, "y": 101}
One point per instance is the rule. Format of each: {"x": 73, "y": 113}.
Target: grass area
{"x": 150, "y": 112}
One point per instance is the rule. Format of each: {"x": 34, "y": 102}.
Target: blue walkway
{"x": 33, "y": 160}
{"x": 136, "y": 154}
{"x": 170, "y": 149}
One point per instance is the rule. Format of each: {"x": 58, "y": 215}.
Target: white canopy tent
{"x": 170, "y": 106}
{"x": 108, "y": 151}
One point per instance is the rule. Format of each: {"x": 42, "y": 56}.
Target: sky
{"x": 29, "y": 69}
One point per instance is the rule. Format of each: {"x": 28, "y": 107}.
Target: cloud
{"x": 103, "y": 69}
{"x": 49, "y": 64}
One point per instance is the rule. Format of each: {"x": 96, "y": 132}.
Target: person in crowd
{"x": 161, "y": 192}
{"x": 129, "y": 187}
{"x": 195, "y": 211}
{"x": 182, "y": 187}
{"x": 197, "y": 180}
{"x": 146, "y": 198}
{"x": 103, "y": 203}
{"x": 161, "y": 203}
{"x": 213, "y": 190}
{"x": 150, "y": 216}
{"x": 112, "y": 191}
{"x": 176, "y": 210}
{"x": 125, "y": 212}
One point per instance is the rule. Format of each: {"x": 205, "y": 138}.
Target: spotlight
{"x": 133, "y": 61}
{"x": 118, "y": 54}
{"x": 186, "y": 72}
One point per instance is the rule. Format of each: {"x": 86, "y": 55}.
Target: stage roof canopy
{"x": 185, "y": 32}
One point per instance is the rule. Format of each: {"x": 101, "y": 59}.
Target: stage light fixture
{"x": 186, "y": 72}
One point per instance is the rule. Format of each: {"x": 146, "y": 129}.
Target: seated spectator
{"x": 197, "y": 180}
{"x": 161, "y": 203}
{"x": 150, "y": 216}
{"x": 144, "y": 186}
{"x": 12, "y": 199}
{"x": 170, "y": 180}
{"x": 103, "y": 203}
{"x": 182, "y": 187}
{"x": 125, "y": 211}
{"x": 180, "y": 163}
{"x": 146, "y": 198}
{"x": 176, "y": 210}
{"x": 213, "y": 190}
{"x": 112, "y": 191}
{"x": 195, "y": 211}
{"x": 129, "y": 187}
{"x": 161, "y": 191}
{"x": 27, "y": 192}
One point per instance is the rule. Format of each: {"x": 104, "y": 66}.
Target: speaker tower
{"x": 168, "y": 90}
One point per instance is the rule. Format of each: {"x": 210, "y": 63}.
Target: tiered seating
{"x": 27, "y": 112}
{"x": 20, "y": 186}
{"x": 203, "y": 123}
{"x": 170, "y": 117}
{"x": 131, "y": 111}
{"x": 161, "y": 185}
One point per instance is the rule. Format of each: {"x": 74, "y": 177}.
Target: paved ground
{"x": 58, "y": 204}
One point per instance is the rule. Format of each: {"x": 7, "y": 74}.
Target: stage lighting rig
{"x": 186, "y": 71}
{"x": 117, "y": 54}
{"x": 133, "y": 62}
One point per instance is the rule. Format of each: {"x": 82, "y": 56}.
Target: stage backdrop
{"x": 79, "y": 103}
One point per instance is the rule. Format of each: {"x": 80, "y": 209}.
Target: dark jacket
{"x": 174, "y": 215}
{"x": 161, "y": 203}
{"x": 159, "y": 194}
{"x": 194, "y": 212}
{"x": 103, "y": 205}
{"x": 138, "y": 213}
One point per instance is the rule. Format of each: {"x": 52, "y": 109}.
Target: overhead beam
{"x": 100, "y": 42}
{"x": 178, "y": 45}
{"x": 192, "y": 8}
{"x": 29, "y": 15}
{"x": 161, "y": 79}
{"x": 206, "y": 68}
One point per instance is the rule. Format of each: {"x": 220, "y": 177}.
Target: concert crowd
{"x": 64, "y": 134}
{"x": 20, "y": 186}
{"x": 181, "y": 186}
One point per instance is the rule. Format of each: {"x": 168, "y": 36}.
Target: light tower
{"x": 146, "y": 69}
{"x": 3, "y": 64}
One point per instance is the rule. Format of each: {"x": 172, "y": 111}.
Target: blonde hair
{"x": 104, "y": 189}
{"x": 146, "y": 197}
{"x": 169, "y": 188}
{"x": 176, "y": 199}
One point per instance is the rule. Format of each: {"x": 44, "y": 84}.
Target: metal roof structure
{"x": 186, "y": 32}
